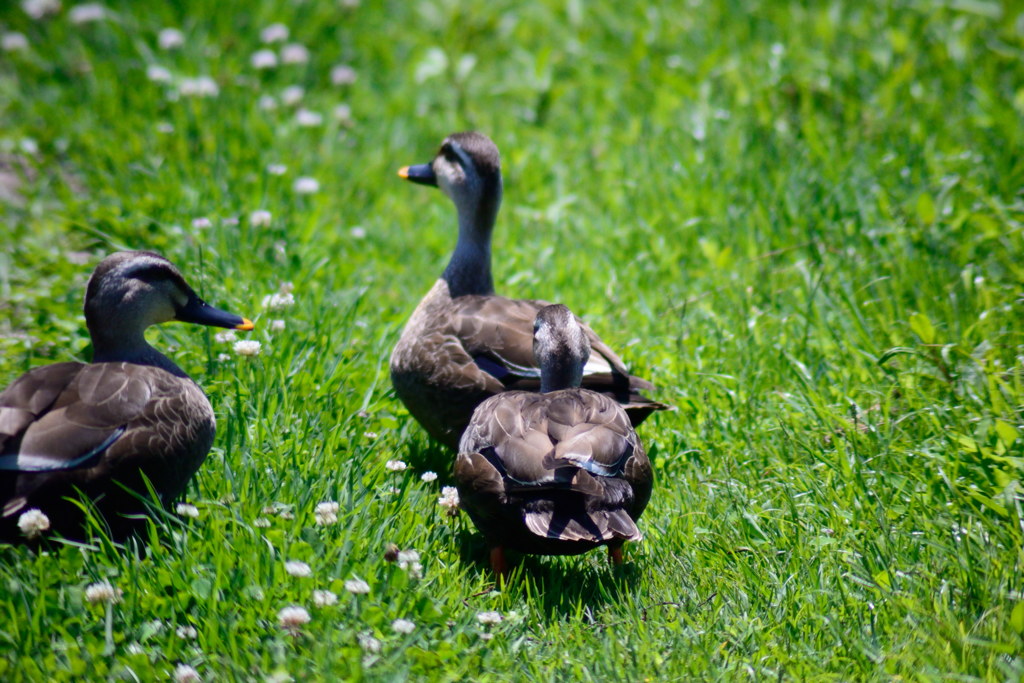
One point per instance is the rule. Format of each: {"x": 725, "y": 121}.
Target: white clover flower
{"x": 294, "y": 53}
{"x": 358, "y": 232}
{"x": 158, "y": 74}
{"x": 207, "y": 87}
{"x": 28, "y": 146}
{"x": 306, "y": 185}
{"x": 263, "y": 59}
{"x": 277, "y": 301}
{"x": 327, "y": 512}
{"x": 428, "y": 476}
{"x": 279, "y": 677}
{"x": 343, "y": 74}
{"x": 164, "y": 127}
{"x": 9, "y": 42}
{"x": 292, "y": 617}
{"x": 203, "y": 86}
{"x": 248, "y": 347}
{"x": 225, "y": 337}
{"x": 267, "y": 103}
{"x": 357, "y": 586}
{"x": 292, "y": 95}
{"x": 261, "y": 522}
{"x": 324, "y": 598}
{"x": 187, "y": 510}
{"x": 260, "y": 218}
{"x": 183, "y": 673}
{"x": 187, "y": 632}
{"x": 275, "y": 33}
{"x": 202, "y": 222}
{"x": 103, "y": 592}
{"x": 308, "y": 119}
{"x": 449, "y": 498}
{"x": 368, "y": 642}
{"x": 297, "y": 568}
{"x": 407, "y": 556}
{"x": 37, "y": 9}
{"x": 486, "y": 636}
{"x": 343, "y": 114}
{"x": 170, "y": 38}
{"x": 403, "y": 626}
{"x": 370, "y": 435}
{"x": 33, "y": 523}
{"x": 82, "y": 14}
{"x": 286, "y": 288}
{"x": 156, "y": 626}
{"x": 488, "y": 618}
{"x": 409, "y": 561}
{"x": 395, "y": 466}
{"x": 277, "y": 326}
{"x": 277, "y": 169}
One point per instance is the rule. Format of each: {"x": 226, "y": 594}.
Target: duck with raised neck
{"x": 464, "y": 343}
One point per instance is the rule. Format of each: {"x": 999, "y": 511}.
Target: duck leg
{"x": 615, "y": 555}
{"x": 498, "y": 564}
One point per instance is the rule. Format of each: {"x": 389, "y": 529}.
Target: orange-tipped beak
{"x": 246, "y": 325}
{"x": 420, "y": 173}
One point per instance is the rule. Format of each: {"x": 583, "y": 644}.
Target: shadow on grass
{"x": 425, "y": 454}
{"x": 560, "y": 585}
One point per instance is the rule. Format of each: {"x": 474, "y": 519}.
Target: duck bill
{"x": 201, "y": 313}
{"x": 420, "y": 173}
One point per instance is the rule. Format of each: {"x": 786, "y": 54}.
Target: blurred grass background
{"x": 801, "y": 220}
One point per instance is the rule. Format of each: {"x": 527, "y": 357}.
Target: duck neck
{"x": 469, "y": 270}
{"x": 557, "y": 374}
{"x": 129, "y": 347}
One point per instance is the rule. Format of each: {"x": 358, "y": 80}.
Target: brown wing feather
{"x": 502, "y": 329}
{"x": 442, "y": 365}
{"x": 564, "y": 466}
{"x": 30, "y": 395}
{"x": 158, "y": 425}
{"x": 495, "y": 325}
{"x": 100, "y": 400}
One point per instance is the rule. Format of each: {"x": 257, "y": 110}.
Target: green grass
{"x": 803, "y": 223}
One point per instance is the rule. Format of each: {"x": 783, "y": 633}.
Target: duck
{"x": 464, "y": 343}
{"x": 558, "y": 472}
{"x": 108, "y": 430}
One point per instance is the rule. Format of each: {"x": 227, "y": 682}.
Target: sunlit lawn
{"x": 804, "y": 224}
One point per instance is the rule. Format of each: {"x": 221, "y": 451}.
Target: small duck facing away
{"x": 554, "y": 473}
{"x": 104, "y": 428}
{"x": 463, "y": 343}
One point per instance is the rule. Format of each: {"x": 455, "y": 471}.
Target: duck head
{"x": 131, "y": 290}
{"x": 467, "y": 168}
{"x": 560, "y": 347}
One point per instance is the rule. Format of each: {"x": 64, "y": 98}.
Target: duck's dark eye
{"x": 449, "y": 154}
{"x": 151, "y": 273}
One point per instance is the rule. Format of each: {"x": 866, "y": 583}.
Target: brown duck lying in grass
{"x": 104, "y": 428}
{"x": 558, "y": 472}
{"x": 463, "y": 343}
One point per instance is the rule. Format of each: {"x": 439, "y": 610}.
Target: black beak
{"x": 420, "y": 173}
{"x": 201, "y": 313}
